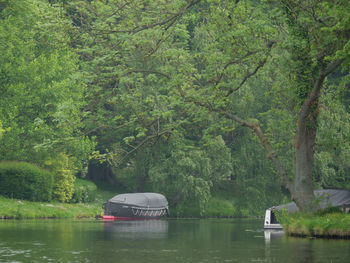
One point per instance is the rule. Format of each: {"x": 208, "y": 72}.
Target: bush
{"x": 218, "y": 207}
{"x": 62, "y": 168}
{"x": 25, "y": 181}
{"x": 84, "y": 191}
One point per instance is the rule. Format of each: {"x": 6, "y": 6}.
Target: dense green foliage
{"x": 41, "y": 91}
{"x": 25, "y": 181}
{"x": 84, "y": 191}
{"x": 157, "y": 96}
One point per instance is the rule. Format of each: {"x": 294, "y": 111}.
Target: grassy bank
{"x": 222, "y": 204}
{"x": 331, "y": 225}
{"x": 20, "y": 209}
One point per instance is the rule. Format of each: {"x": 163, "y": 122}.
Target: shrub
{"x": 23, "y": 180}
{"x": 84, "y": 191}
{"x": 62, "y": 168}
{"x": 218, "y": 207}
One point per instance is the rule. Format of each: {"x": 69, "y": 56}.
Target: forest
{"x": 237, "y": 102}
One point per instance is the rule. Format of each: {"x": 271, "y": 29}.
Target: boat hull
{"x": 118, "y": 211}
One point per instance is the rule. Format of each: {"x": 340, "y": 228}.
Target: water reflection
{"x": 172, "y": 241}
{"x": 268, "y": 235}
{"x": 272, "y": 233}
{"x": 137, "y": 229}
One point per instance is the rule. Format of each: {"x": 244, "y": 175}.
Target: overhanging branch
{"x": 255, "y": 126}
{"x": 147, "y": 71}
{"x": 249, "y": 74}
{"x": 246, "y": 77}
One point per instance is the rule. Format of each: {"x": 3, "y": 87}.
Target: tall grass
{"x": 329, "y": 225}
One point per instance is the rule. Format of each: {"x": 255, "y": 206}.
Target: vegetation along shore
{"x": 225, "y": 107}
{"x": 319, "y": 225}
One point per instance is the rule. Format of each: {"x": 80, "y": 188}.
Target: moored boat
{"x": 325, "y": 198}
{"x": 136, "y": 206}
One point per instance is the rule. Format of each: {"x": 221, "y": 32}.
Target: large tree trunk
{"x": 302, "y": 190}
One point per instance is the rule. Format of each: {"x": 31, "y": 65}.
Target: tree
{"x": 41, "y": 90}
{"x": 150, "y": 75}
{"x": 133, "y": 108}
{"x": 312, "y": 38}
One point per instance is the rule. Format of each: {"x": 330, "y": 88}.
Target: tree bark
{"x": 302, "y": 191}
{"x": 305, "y": 138}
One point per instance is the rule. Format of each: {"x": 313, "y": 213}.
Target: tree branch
{"x": 246, "y": 77}
{"x": 315, "y": 92}
{"x": 271, "y": 154}
{"x": 148, "y": 138}
{"x": 105, "y": 126}
{"x": 249, "y": 74}
{"x": 147, "y": 71}
{"x": 172, "y": 19}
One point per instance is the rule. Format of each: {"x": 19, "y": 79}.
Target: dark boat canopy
{"x": 325, "y": 198}
{"x": 150, "y": 200}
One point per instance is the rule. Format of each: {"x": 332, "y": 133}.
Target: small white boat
{"x": 271, "y": 220}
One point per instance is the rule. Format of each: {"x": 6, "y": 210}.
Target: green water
{"x": 160, "y": 241}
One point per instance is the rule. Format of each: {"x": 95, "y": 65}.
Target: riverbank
{"x": 331, "y": 225}
{"x": 21, "y": 209}
{"x": 219, "y": 206}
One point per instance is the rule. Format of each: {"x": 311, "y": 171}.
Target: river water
{"x": 219, "y": 240}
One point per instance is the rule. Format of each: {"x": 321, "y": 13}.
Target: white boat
{"x": 325, "y": 198}
{"x": 271, "y": 220}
